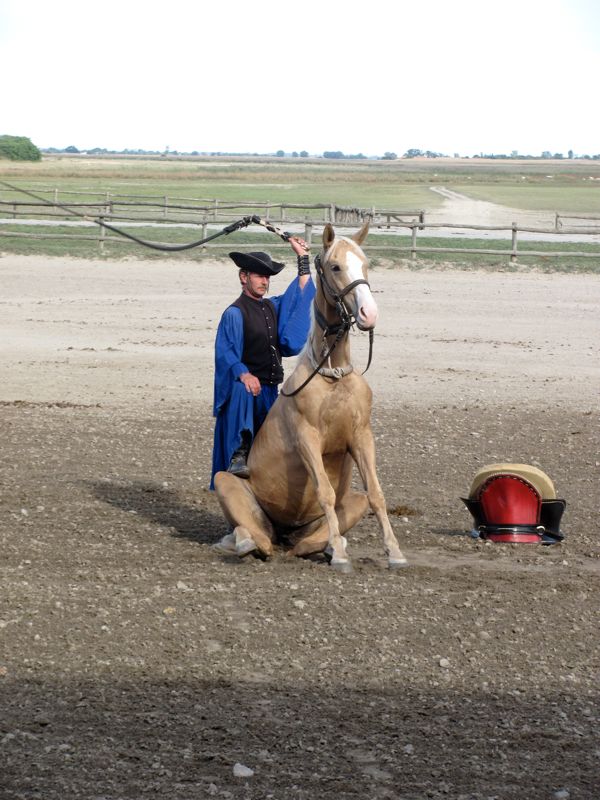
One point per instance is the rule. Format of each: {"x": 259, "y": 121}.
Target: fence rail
{"x": 201, "y": 213}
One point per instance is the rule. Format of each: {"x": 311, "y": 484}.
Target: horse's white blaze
{"x": 366, "y": 307}
{"x": 355, "y": 267}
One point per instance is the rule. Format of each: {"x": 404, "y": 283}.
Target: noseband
{"x": 338, "y": 329}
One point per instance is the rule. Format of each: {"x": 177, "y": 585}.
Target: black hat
{"x": 259, "y": 263}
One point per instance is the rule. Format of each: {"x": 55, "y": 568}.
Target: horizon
{"x": 388, "y": 156}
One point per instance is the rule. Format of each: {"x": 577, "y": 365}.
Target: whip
{"x": 169, "y": 248}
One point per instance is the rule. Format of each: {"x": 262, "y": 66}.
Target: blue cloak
{"x": 235, "y": 408}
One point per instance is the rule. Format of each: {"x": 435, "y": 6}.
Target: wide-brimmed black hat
{"x": 259, "y": 263}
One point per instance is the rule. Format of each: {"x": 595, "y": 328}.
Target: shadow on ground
{"x": 164, "y": 507}
{"x": 147, "y": 738}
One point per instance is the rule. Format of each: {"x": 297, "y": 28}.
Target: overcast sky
{"x": 452, "y": 76}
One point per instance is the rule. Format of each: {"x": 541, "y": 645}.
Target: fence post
{"x": 166, "y": 207}
{"x": 557, "y": 223}
{"x": 101, "y": 235}
{"x": 413, "y": 243}
{"x": 308, "y": 233}
{"x": 216, "y": 210}
{"x": 332, "y": 212}
{"x": 204, "y": 230}
{"x": 513, "y": 255}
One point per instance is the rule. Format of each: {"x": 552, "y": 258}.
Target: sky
{"x": 452, "y": 76}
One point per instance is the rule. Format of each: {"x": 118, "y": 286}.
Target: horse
{"x": 302, "y": 457}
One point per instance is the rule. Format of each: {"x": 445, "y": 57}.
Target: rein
{"x": 339, "y": 329}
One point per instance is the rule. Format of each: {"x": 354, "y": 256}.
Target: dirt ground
{"x": 135, "y": 662}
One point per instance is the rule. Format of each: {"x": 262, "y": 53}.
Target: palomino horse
{"x": 302, "y": 457}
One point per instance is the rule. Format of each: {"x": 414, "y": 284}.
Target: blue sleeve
{"x": 293, "y": 314}
{"x": 229, "y": 345}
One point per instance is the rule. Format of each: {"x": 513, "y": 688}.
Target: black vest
{"x": 261, "y": 352}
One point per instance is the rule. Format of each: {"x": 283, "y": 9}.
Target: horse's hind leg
{"x": 252, "y": 528}
{"x": 314, "y": 537}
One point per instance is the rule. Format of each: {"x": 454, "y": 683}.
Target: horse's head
{"x": 345, "y": 275}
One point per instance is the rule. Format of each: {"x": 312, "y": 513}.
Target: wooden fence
{"x": 203, "y": 214}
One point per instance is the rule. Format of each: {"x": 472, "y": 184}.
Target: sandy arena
{"x": 137, "y": 663}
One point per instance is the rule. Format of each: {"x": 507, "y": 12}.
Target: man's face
{"x": 254, "y": 285}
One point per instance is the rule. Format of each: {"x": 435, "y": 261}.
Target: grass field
{"x": 565, "y": 186}
{"x": 545, "y": 185}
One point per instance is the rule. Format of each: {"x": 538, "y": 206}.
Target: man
{"x": 253, "y": 334}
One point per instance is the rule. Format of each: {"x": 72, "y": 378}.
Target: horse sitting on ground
{"x": 302, "y": 458}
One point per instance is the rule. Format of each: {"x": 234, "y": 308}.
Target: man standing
{"x": 253, "y": 335}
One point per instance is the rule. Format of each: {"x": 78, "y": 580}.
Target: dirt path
{"x": 135, "y": 663}
{"x": 459, "y": 209}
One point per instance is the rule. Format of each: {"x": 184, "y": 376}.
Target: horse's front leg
{"x": 309, "y": 449}
{"x": 363, "y": 452}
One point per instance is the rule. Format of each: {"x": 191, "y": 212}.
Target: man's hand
{"x": 299, "y": 246}
{"x": 251, "y": 383}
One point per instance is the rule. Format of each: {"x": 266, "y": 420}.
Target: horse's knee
{"x": 326, "y": 497}
{"x": 222, "y": 480}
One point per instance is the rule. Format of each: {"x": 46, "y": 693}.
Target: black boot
{"x": 237, "y": 465}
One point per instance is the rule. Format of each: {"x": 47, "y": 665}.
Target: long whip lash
{"x": 169, "y": 248}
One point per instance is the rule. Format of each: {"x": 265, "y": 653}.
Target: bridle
{"x": 338, "y": 329}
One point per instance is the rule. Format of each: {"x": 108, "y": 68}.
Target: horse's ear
{"x": 328, "y": 236}
{"x": 361, "y": 235}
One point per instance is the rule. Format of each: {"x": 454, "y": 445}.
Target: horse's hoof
{"x": 345, "y": 567}
{"x": 328, "y": 551}
{"x": 245, "y": 547}
{"x": 225, "y": 545}
{"x": 397, "y": 563}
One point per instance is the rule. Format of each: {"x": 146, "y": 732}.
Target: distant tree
{"x": 280, "y": 153}
{"x": 71, "y": 149}
{"x": 303, "y": 154}
{"x": 558, "y": 155}
{"x": 295, "y": 154}
{"x": 388, "y": 156}
{"x": 413, "y": 153}
{"x": 546, "y": 154}
{"x": 18, "y": 148}
{"x": 570, "y": 154}
{"x": 333, "y": 154}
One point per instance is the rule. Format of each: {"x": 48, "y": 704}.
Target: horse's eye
{"x": 335, "y": 268}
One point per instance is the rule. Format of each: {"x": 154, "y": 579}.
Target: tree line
{"x": 21, "y": 148}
